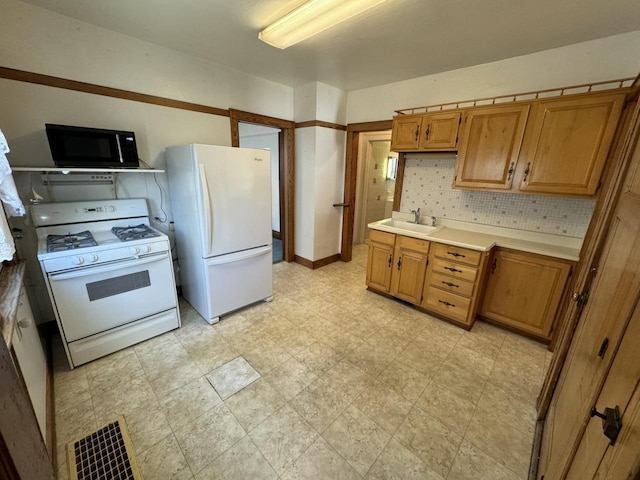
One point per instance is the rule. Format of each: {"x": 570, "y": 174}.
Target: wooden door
{"x": 410, "y": 266}
{"x": 614, "y": 296}
{"x": 567, "y": 143}
{"x": 489, "y": 147}
{"x": 439, "y": 131}
{"x": 618, "y": 391}
{"x": 405, "y": 133}
{"x": 524, "y": 290}
{"x": 380, "y": 260}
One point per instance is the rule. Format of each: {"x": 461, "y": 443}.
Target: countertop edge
{"x": 11, "y": 278}
{"x": 556, "y": 251}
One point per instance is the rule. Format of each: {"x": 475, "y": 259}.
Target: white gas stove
{"x": 108, "y": 272}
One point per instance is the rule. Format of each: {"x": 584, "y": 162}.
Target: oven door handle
{"x": 208, "y": 213}
{"x": 85, "y": 272}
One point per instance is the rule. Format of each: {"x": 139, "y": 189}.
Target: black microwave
{"x": 91, "y": 147}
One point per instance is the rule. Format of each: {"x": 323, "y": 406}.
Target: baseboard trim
{"x": 317, "y": 263}
{"x": 275, "y": 234}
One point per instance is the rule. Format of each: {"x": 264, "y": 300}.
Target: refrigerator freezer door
{"x": 236, "y": 192}
{"x": 237, "y": 280}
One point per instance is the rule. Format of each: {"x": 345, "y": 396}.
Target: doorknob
{"x": 611, "y": 422}
{"x": 341, "y": 205}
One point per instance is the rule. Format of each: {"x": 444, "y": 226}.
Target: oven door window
{"x": 95, "y": 299}
{"x": 117, "y": 285}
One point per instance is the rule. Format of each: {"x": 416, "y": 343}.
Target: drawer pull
{"x": 399, "y": 262}
{"x": 390, "y": 260}
{"x": 446, "y": 304}
{"x": 454, "y": 270}
{"x": 456, "y": 254}
{"x": 449, "y": 284}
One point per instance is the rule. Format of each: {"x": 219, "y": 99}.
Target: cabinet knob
{"x": 611, "y": 422}
{"x": 526, "y": 172}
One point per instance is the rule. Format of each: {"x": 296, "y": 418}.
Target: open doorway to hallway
{"x": 375, "y": 182}
{"x": 264, "y": 137}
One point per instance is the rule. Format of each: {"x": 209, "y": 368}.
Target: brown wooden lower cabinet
{"x": 409, "y": 266}
{"x": 380, "y": 260}
{"x": 524, "y": 290}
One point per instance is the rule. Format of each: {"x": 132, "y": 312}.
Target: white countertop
{"x": 485, "y": 237}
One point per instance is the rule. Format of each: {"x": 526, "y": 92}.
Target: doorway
{"x": 260, "y": 131}
{"x": 376, "y": 176}
{"x": 264, "y": 137}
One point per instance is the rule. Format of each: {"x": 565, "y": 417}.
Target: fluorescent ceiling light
{"x": 311, "y": 18}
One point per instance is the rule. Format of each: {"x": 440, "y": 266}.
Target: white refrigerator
{"x": 221, "y": 201}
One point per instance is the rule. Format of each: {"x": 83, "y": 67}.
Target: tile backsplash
{"x": 428, "y": 186}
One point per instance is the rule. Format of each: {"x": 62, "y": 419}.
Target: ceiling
{"x": 397, "y": 40}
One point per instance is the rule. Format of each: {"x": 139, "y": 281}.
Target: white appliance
{"x": 221, "y": 200}
{"x": 108, "y": 273}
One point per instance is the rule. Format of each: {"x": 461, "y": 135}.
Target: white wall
{"x": 598, "y": 60}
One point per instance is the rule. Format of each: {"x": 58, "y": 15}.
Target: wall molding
{"x": 317, "y": 263}
{"x": 66, "y": 84}
{"x": 321, "y": 123}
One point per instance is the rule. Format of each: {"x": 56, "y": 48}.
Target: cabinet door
{"x": 568, "y": 142}
{"x": 405, "y": 132}
{"x": 409, "y": 268}
{"x": 439, "y": 131}
{"x": 490, "y": 145}
{"x": 524, "y": 291}
{"x": 379, "y": 266}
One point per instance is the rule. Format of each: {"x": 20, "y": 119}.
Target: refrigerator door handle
{"x": 239, "y": 256}
{"x": 208, "y": 213}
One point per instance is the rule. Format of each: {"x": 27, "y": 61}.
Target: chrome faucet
{"x": 433, "y": 221}
{"x": 416, "y": 215}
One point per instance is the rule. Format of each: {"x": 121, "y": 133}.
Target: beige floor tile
{"x": 370, "y": 359}
{"x": 283, "y": 437}
{"x": 501, "y": 441}
{"x": 252, "y": 405}
{"x": 232, "y": 377}
{"x": 74, "y": 420}
{"x": 147, "y": 427}
{"x": 431, "y": 440}
{"x": 319, "y": 404}
{"x": 317, "y": 357}
{"x": 320, "y": 462}
{"x": 473, "y": 464}
{"x": 114, "y": 368}
{"x": 210, "y": 357}
{"x": 520, "y": 379}
{"x": 482, "y": 344}
{"x": 388, "y": 341}
{"x": 196, "y": 335}
{"x": 208, "y": 436}
{"x": 185, "y": 404}
{"x": 383, "y": 405}
{"x": 405, "y": 380}
{"x": 164, "y": 461}
{"x": 174, "y": 377}
{"x": 357, "y": 438}
{"x": 347, "y": 379}
{"x": 70, "y": 390}
{"x": 158, "y": 350}
{"x": 266, "y": 356}
{"x": 463, "y": 381}
{"x": 500, "y": 405}
{"x": 243, "y": 461}
{"x": 397, "y": 463}
{"x": 341, "y": 341}
{"x": 423, "y": 360}
{"x": 124, "y": 398}
{"x": 451, "y": 409}
{"x": 470, "y": 359}
{"x": 290, "y": 378}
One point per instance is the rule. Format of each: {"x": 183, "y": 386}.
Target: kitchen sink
{"x": 414, "y": 227}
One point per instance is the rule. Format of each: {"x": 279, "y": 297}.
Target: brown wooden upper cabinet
{"x": 490, "y": 145}
{"x": 423, "y": 132}
{"x": 567, "y": 142}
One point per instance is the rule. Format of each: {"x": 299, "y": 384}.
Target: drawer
{"x": 382, "y": 237}
{"x": 454, "y": 269}
{"x": 415, "y": 244}
{"x": 447, "y": 304}
{"x": 453, "y": 285}
{"x": 457, "y": 254}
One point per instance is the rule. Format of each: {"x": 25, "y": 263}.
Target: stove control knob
{"x": 135, "y": 250}
{"x": 77, "y": 260}
{"x": 94, "y": 258}
{"x": 147, "y": 248}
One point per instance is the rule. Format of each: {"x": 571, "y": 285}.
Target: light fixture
{"x": 311, "y": 18}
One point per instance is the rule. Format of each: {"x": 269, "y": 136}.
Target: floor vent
{"x": 104, "y": 453}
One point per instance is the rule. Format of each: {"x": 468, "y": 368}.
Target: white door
{"x": 238, "y": 279}
{"x": 236, "y": 194}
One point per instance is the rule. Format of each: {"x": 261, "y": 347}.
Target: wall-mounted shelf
{"x": 86, "y": 170}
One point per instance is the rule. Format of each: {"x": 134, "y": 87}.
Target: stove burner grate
{"x": 134, "y": 233}
{"x": 70, "y": 241}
